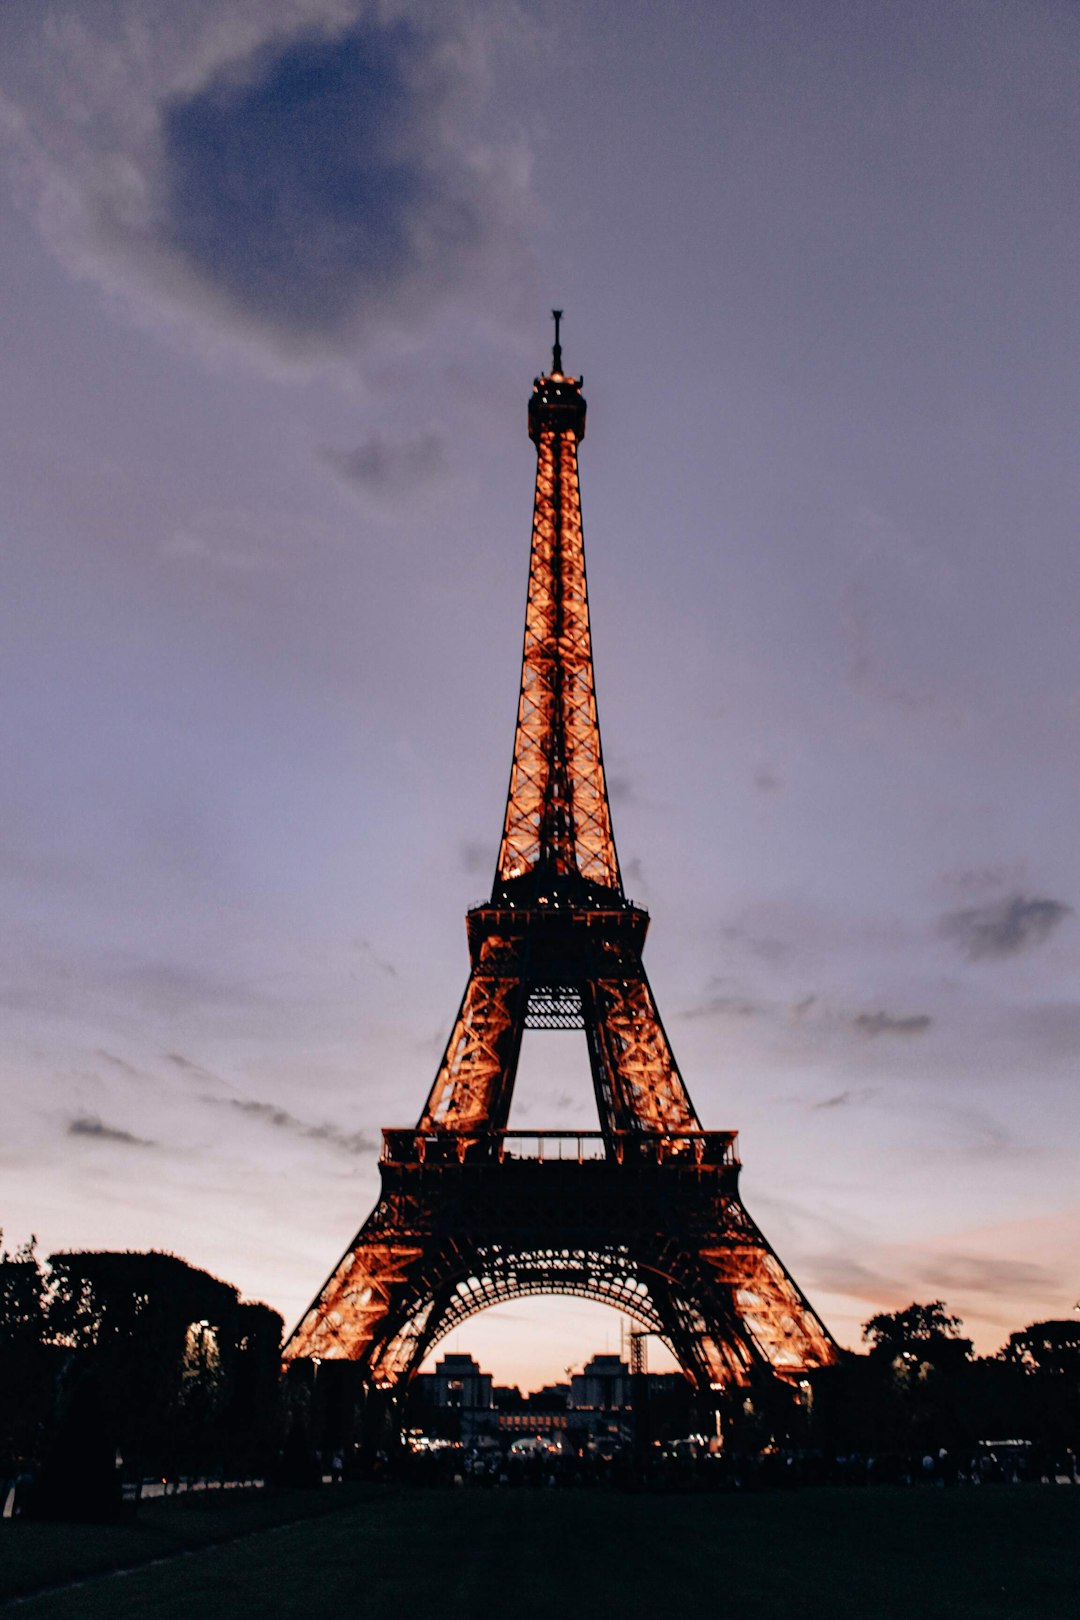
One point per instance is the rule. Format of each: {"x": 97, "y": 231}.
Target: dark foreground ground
{"x": 384, "y": 1554}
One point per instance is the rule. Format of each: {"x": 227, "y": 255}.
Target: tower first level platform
{"x": 649, "y": 1224}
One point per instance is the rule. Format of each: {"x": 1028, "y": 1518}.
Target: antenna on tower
{"x": 556, "y": 353}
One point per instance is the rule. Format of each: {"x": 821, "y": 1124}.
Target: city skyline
{"x": 277, "y": 279}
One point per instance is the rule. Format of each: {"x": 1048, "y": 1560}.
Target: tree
{"x": 27, "y": 1364}
{"x": 1051, "y": 1349}
{"x": 917, "y": 1325}
{"x": 1044, "y": 1359}
{"x": 920, "y": 1366}
{"x": 160, "y": 1337}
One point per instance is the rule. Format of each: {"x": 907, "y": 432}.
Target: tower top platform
{"x": 557, "y": 403}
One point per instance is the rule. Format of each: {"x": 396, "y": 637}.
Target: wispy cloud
{"x": 621, "y": 788}
{"x": 120, "y": 1063}
{"x": 188, "y": 1066}
{"x": 766, "y": 947}
{"x": 972, "y": 883}
{"x": 476, "y": 857}
{"x": 391, "y": 473}
{"x": 382, "y": 963}
{"x": 981, "y": 1274}
{"x": 353, "y": 1142}
{"x": 243, "y": 540}
{"x": 1005, "y": 927}
{"x": 873, "y": 1024}
{"x": 634, "y": 872}
{"x": 89, "y": 1125}
{"x": 845, "y": 1099}
{"x": 839, "y": 1272}
{"x": 721, "y": 1004}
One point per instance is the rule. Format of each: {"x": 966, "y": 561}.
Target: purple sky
{"x": 276, "y": 282}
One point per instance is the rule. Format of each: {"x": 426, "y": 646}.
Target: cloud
{"x": 187, "y": 1066}
{"x": 246, "y": 540}
{"x": 367, "y": 949}
{"x": 1003, "y": 928}
{"x": 1054, "y": 1025}
{"x": 979, "y": 882}
{"x": 980, "y": 1274}
{"x": 765, "y": 947}
{"x": 120, "y": 1063}
{"x": 839, "y": 1273}
{"x": 883, "y": 1023}
{"x": 174, "y": 987}
{"x": 866, "y": 672}
{"x": 621, "y": 789}
{"x": 354, "y": 1142}
{"x": 843, "y": 1099}
{"x": 90, "y": 1125}
{"x": 475, "y": 857}
{"x": 634, "y": 872}
{"x": 302, "y": 173}
{"x": 391, "y": 474}
{"x": 721, "y": 1005}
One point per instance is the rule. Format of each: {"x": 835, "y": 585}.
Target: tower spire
{"x": 557, "y": 830}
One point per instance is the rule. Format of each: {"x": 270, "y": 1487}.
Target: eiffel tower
{"x": 643, "y": 1214}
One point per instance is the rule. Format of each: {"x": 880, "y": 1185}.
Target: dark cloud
{"x": 354, "y": 1142}
{"x": 1004, "y": 928}
{"x": 90, "y": 1125}
{"x": 304, "y": 173}
{"x": 883, "y": 1023}
{"x": 391, "y": 473}
{"x": 302, "y": 188}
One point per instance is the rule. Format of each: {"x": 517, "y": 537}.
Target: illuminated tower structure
{"x": 643, "y": 1214}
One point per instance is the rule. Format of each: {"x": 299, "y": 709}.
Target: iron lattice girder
{"x": 654, "y": 1227}
{"x": 558, "y": 819}
{"x": 594, "y": 953}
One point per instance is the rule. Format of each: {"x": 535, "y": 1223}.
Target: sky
{"x": 276, "y": 280}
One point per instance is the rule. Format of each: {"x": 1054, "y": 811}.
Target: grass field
{"x": 825, "y": 1554}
